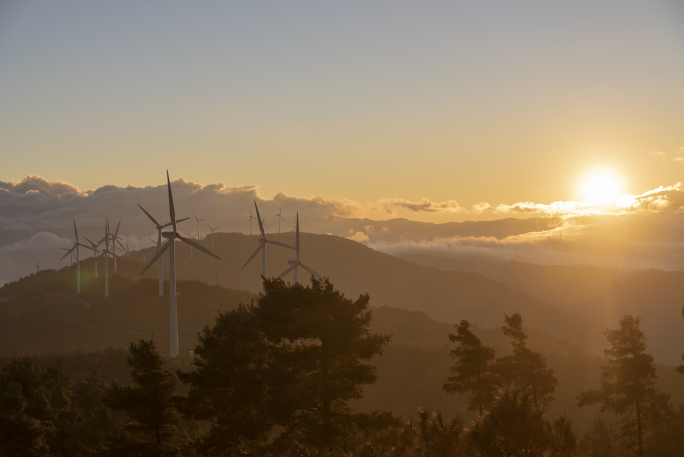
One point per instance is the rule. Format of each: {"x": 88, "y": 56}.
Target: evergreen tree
{"x": 514, "y": 427}
{"x": 319, "y": 339}
{"x": 474, "y": 369}
{"x": 228, "y": 385}
{"x": 525, "y": 371}
{"x": 149, "y": 404}
{"x": 34, "y": 402}
{"x": 628, "y": 380}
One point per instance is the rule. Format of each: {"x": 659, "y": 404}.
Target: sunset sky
{"x": 493, "y": 101}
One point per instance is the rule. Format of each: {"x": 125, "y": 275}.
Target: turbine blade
{"x": 75, "y": 231}
{"x": 148, "y": 215}
{"x": 198, "y": 246}
{"x": 311, "y": 271}
{"x": 87, "y": 247}
{"x": 172, "y": 211}
{"x": 217, "y": 227}
{"x": 261, "y": 225}
{"x": 117, "y": 228}
{"x": 68, "y": 252}
{"x": 287, "y": 271}
{"x": 122, "y": 246}
{"x": 90, "y": 241}
{"x": 261, "y": 245}
{"x": 279, "y": 244}
{"x": 158, "y": 254}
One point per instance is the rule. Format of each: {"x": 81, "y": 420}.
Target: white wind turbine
{"x": 95, "y": 247}
{"x": 449, "y": 246}
{"x": 262, "y": 245}
{"x": 159, "y": 246}
{"x": 170, "y": 245}
{"x": 115, "y": 239}
{"x": 212, "y": 233}
{"x": 251, "y": 218}
{"x": 78, "y": 259}
{"x": 106, "y": 253}
{"x": 198, "y": 225}
{"x": 297, "y": 263}
{"x": 191, "y": 237}
{"x": 280, "y": 218}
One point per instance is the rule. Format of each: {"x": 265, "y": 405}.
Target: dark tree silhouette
{"x": 628, "y": 380}
{"x": 514, "y": 427}
{"x": 473, "y": 370}
{"x": 229, "y": 383}
{"x": 149, "y": 404}
{"x": 319, "y": 339}
{"x": 525, "y": 371}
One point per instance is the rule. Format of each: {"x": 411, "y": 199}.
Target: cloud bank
{"x": 36, "y": 217}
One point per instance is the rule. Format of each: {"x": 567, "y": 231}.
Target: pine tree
{"x": 525, "y": 371}
{"x": 474, "y": 369}
{"x": 149, "y": 403}
{"x": 628, "y": 379}
{"x": 228, "y": 385}
{"x": 319, "y": 339}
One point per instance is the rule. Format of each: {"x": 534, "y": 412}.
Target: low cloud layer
{"x": 36, "y": 217}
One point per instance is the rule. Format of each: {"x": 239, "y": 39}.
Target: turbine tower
{"x": 212, "y": 233}
{"x": 262, "y": 246}
{"x": 280, "y": 217}
{"x": 198, "y": 226}
{"x": 78, "y": 263}
{"x": 115, "y": 239}
{"x": 159, "y": 246}
{"x": 95, "y": 247}
{"x": 170, "y": 245}
{"x": 297, "y": 263}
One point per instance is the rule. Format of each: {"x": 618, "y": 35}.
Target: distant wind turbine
{"x": 251, "y": 219}
{"x": 198, "y": 226}
{"x": 280, "y": 218}
{"x": 95, "y": 247}
{"x": 159, "y": 228}
{"x": 297, "y": 263}
{"x": 449, "y": 247}
{"x": 170, "y": 245}
{"x": 262, "y": 245}
{"x": 78, "y": 263}
{"x": 106, "y": 253}
{"x": 115, "y": 239}
{"x": 212, "y": 233}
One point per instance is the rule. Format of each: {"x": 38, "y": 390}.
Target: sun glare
{"x": 601, "y": 187}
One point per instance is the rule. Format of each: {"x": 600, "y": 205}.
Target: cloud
{"x": 424, "y": 204}
{"x": 678, "y": 159}
{"x": 657, "y": 154}
{"x": 36, "y": 215}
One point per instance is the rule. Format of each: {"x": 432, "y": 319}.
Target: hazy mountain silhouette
{"x": 600, "y": 294}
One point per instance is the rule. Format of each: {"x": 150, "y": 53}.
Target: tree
{"x": 229, "y": 383}
{"x": 149, "y": 404}
{"x": 318, "y": 339}
{"x": 34, "y": 403}
{"x": 515, "y": 427}
{"x": 628, "y": 379}
{"x": 601, "y": 441}
{"x": 525, "y": 371}
{"x": 474, "y": 369}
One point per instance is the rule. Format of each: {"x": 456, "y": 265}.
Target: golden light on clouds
{"x": 601, "y": 187}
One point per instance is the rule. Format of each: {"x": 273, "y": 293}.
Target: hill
{"x": 602, "y": 295}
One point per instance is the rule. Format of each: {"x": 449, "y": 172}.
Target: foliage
{"x": 628, "y": 379}
{"x": 474, "y": 369}
{"x": 149, "y": 404}
{"x": 525, "y": 371}
{"x": 514, "y": 426}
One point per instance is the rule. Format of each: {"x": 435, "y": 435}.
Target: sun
{"x": 601, "y": 187}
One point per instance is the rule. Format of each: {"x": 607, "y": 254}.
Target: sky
{"x": 469, "y": 102}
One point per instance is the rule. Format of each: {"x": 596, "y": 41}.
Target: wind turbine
{"x": 159, "y": 246}
{"x": 170, "y": 245}
{"x": 95, "y": 247}
{"x": 115, "y": 239}
{"x": 262, "y": 245}
{"x": 191, "y": 237}
{"x": 106, "y": 253}
{"x": 251, "y": 218}
{"x": 78, "y": 263}
{"x": 280, "y": 218}
{"x": 212, "y": 233}
{"x": 449, "y": 246}
{"x": 198, "y": 225}
{"x": 297, "y": 263}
